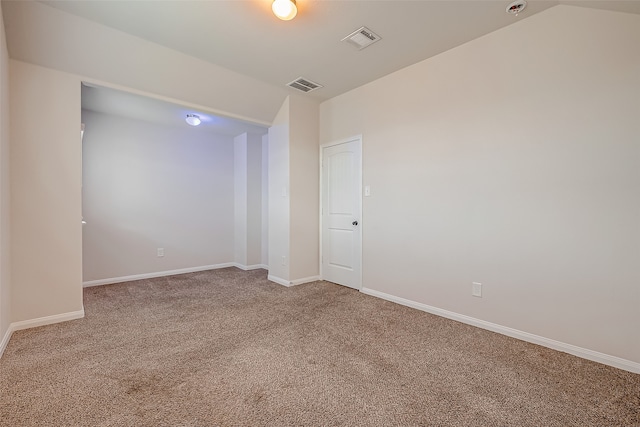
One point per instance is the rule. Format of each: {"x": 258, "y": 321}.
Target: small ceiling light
{"x": 193, "y": 120}
{"x": 284, "y": 9}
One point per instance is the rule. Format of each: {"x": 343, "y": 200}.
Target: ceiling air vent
{"x": 362, "y": 38}
{"x": 305, "y": 85}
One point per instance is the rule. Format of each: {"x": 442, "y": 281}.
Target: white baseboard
{"x": 289, "y": 283}
{"x": 121, "y": 279}
{"x": 5, "y": 340}
{"x": 304, "y": 280}
{"x": 584, "y": 353}
{"x": 48, "y": 320}
{"x": 251, "y": 267}
{"x": 33, "y": 323}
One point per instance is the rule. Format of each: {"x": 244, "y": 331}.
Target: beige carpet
{"x": 229, "y": 348}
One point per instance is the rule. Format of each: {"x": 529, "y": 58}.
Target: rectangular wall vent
{"x": 304, "y": 85}
{"x": 361, "y": 38}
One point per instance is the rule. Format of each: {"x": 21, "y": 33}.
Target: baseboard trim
{"x": 47, "y": 320}
{"x": 290, "y": 283}
{"x": 305, "y": 280}
{"x": 584, "y": 353}
{"x": 5, "y": 340}
{"x": 113, "y": 280}
{"x": 34, "y": 323}
{"x": 251, "y": 267}
{"x": 278, "y": 280}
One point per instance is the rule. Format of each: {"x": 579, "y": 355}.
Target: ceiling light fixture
{"x": 193, "y": 120}
{"x": 284, "y": 9}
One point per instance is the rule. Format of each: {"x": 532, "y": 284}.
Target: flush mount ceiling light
{"x": 193, "y": 120}
{"x": 284, "y": 9}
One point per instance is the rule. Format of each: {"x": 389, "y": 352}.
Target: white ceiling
{"x": 250, "y": 55}
{"x": 125, "y": 104}
{"x": 244, "y": 36}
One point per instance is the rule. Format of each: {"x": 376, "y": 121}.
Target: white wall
{"x": 148, "y": 186}
{"x": 304, "y": 184}
{"x": 294, "y": 193}
{"x": 240, "y": 198}
{"x": 248, "y": 200}
{"x": 514, "y": 161}
{"x": 46, "y": 247}
{"x": 254, "y": 200}
{"x": 5, "y": 273}
{"x": 264, "y": 219}
{"x": 279, "y": 196}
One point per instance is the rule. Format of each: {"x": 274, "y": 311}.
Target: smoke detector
{"x": 304, "y": 85}
{"x": 516, "y": 7}
{"x": 361, "y": 38}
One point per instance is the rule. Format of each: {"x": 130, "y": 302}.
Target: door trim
{"x": 320, "y": 212}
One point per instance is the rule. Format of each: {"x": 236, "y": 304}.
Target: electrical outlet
{"x": 284, "y": 260}
{"x": 160, "y": 252}
{"x": 476, "y": 289}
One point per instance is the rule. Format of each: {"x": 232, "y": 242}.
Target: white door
{"x": 341, "y": 213}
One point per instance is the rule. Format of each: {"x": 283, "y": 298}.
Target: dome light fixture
{"x": 284, "y": 9}
{"x": 193, "y": 120}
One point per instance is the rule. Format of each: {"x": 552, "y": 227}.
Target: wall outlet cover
{"x": 476, "y": 289}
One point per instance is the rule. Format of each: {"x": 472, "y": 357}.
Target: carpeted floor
{"x": 229, "y": 348}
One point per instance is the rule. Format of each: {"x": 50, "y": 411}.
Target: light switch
{"x": 367, "y": 191}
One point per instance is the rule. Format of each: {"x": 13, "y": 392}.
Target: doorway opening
{"x": 163, "y": 197}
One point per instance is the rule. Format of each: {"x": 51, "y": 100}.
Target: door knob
{"x": 354, "y": 223}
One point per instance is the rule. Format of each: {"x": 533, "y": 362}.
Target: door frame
{"x": 354, "y": 138}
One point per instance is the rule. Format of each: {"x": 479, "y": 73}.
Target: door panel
{"x": 341, "y": 214}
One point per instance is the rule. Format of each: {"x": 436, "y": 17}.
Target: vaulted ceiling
{"x": 244, "y": 36}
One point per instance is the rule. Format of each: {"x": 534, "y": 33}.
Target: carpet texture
{"x": 229, "y": 348}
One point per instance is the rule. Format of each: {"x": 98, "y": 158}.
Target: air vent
{"x": 304, "y": 85}
{"x": 362, "y": 38}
